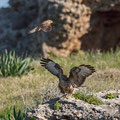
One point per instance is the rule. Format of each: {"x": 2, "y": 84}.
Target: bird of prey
{"x": 45, "y": 26}
{"x": 76, "y": 77}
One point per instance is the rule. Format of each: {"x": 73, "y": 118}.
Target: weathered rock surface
{"x": 15, "y": 22}
{"x": 72, "y": 109}
{"x": 79, "y": 25}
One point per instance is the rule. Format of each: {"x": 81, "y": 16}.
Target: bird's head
{"x": 50, "y": 21}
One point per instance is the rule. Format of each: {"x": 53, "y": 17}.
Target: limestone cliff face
{"x": 71, "y": 19}
{"x": 79, "y": 25}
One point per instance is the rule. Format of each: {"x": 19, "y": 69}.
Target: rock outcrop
{"x": 71, "y": 24}
{"x": 79, "y": 25}
{"x": 15, "y": 22}
{"x": 72, "y": 109}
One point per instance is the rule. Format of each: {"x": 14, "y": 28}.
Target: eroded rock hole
{"x": 104, "y": 32}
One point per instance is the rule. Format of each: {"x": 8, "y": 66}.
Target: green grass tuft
{"x": 111, "y": 95}
{"x": 13, "y": 113}
{"x": 91, "y": 99}
{"x": 57, "y": 105}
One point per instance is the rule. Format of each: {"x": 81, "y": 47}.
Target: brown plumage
{"x": 45, "y": 26}
{"x": 76, "y": 78}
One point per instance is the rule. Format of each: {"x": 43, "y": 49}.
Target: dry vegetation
{"x": 29, "y": 89}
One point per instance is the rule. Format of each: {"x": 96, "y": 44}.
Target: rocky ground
{"x": 73, "y": 109}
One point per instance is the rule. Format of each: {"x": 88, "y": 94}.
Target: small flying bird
{"x": 76, "y": 77}
{"x": 45, "y": 26}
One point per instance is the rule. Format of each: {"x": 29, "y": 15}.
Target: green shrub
{"x": 12, "y": 113}
{"x": 111, "y": 95}
{"x": 91, "y": 99}
{"x": 4, "y": 115}
{"x": 17, "y": 115}
{"x": 57, "y": 105}
{"x": 12, "y": 65}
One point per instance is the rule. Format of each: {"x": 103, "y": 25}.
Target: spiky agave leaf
{"x": 12, "y": 65}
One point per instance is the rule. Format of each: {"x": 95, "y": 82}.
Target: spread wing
{"x": 33, "y": 30}
{"x": 45, "y": 26}
{"x": 78, "y": 74}
{"x": 51, "y": 66}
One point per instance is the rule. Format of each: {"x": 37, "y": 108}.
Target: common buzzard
{"x": 45, "y": 26}
{"x": 76, "y": 78}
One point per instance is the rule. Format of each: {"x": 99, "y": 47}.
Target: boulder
{"x": 73, "y": 109}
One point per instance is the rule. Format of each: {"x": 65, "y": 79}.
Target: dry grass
{"x": 29, "y": 89}
{"x": 103, "y": 80}
{"x": 23, "y": 90}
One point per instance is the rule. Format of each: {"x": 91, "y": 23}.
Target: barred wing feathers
{"x": 78, "y": 74}
{"x": 51, "y": 66}
{"x": 33, "y": 30}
